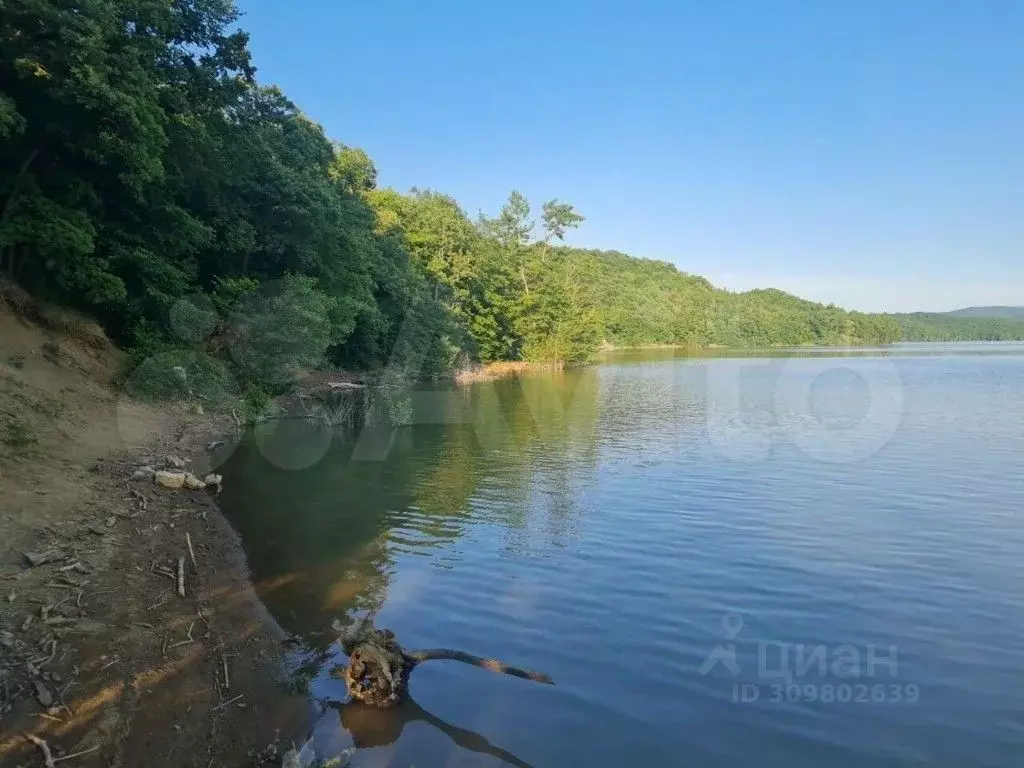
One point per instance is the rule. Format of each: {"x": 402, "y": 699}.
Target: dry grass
{"x": 63, "y": 321}
{"x": 74, "y": 326}
{"x": 503, "y": 370}
{"x": 17, "y": 299}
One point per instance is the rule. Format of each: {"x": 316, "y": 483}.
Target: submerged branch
{"x": 429, "y": 654}
{"x": 378, "y": 670}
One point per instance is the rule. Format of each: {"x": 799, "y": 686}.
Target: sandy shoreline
{"x": 99, "y": 655}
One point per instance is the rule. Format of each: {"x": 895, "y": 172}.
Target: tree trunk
{"x": 378, "y": 670}
{"x": 11, "y": 251}
{"x": 16, "y": 188}
{"x": 17, "y": 267}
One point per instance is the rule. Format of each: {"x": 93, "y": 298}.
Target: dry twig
{"x": 77, "y": 754}
{"x": 181, "y": 577}
{"x": 191, "y": 552}
{"x": 225, "y": 703}
{"x": 189, "y": 638}
{"x": 43, "y": 747}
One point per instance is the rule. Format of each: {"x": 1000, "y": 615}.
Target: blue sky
{"x": 868, "y": 153}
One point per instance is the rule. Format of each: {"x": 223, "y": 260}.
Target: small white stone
{"x": 172, "y": 480}
{"x": 193, "y": 483}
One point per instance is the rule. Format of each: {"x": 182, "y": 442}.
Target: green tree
{"x": 558, "y": 218}
{"x": 512, "y": 229}
{"x": 353, "y": 169}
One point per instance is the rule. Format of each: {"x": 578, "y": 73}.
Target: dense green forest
{"x": 148, "y": 180}
{"x": 953, "y": 326}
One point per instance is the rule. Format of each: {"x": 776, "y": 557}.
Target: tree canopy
{"x": 142, "y": 166}
{"x": 954, "y": 326}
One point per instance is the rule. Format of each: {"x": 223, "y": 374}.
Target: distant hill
{"x": 988, "y": 312}
{"x": 968, "y": 324}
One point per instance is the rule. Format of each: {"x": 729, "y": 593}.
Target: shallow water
{"x": 806, "y": 559}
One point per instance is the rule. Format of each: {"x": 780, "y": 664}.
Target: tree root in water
{"x": 378, "y": 670}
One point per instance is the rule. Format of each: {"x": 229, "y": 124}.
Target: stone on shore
{"x": 35, "y": 559}
{"x": 171, "y": 480}
{"x": 145, "y": 472}
{"x": 193, "y": 483}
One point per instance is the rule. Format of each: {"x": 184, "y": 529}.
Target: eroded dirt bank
{"x": 99, "y": 654}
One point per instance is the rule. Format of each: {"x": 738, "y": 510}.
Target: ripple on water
{"x": 617, "y": 542}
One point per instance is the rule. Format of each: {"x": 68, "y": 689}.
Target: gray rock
{"x": 35, "y": 559}
{"x": 176, "y": 461}
{"x": 144, "y": 473}
{"x": 43, "y": 694}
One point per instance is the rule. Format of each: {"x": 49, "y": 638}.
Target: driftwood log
{"x": 378, "y": 670}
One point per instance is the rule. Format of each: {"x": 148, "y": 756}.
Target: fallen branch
{"x": 188, "y": 638}
{"x": 76, "y": 754}
{"x": 42, "y": 660}
{"x": 429, "y": 654}
{"x": 43, "y": 747}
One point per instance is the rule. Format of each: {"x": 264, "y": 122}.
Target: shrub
{"x": 257, "y": 405}
{"x": 183, "y": 374}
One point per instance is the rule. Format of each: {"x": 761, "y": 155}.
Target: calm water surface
{"x": 811, "y": 559}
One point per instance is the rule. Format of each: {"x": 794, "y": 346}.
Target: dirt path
{"x": 99, "y": 654}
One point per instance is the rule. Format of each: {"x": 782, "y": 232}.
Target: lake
{"x": 808, "y": 558}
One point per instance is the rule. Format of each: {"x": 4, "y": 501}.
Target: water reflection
{"x": 325, "y": 514}
{"x": 570, "y": 522}
{"x": 375, "y": 728}
{"x": 904, "y": 349}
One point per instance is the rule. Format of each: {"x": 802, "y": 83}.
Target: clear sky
{"x": 868, "y": 153}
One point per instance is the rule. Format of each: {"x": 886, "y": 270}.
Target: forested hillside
{"x": 148, "y": 180}
{"x": 930, "y": 326}
{"x": 988, "y": 312}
